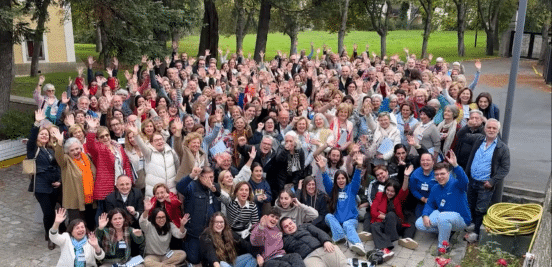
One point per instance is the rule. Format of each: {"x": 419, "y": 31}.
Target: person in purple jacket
{"x": 447, "y": 208}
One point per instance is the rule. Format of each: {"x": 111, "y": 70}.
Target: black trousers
{"x": 48, "y": 206}
{"x": 288, "y": 260}
{"x": 88, "y": 216}
{"x": 386, "y": 232}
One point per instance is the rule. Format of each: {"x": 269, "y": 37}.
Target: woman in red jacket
{"x": 387, "y": 214}
{"x": 110, "y": 160}
{"x": 164, "y": 198}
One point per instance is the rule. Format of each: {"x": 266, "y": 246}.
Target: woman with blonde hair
{"x": 190, "y": 152}
{"x": 342, "y": 128}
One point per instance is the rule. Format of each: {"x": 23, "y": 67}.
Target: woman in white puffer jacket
{"x": 160, "y": 161}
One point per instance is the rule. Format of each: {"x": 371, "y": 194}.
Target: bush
{"x": 15, "y": 124}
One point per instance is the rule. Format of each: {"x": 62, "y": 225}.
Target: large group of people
{"x": 232, "y": 162}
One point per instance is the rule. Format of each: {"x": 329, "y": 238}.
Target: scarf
{"x": 293, "y": 163}
{"x": 79, "y": 250}
{"x": 336, "y": 129}
{"x": 87, "y": 177}
{"x": 451, "y": 130}
{"x": 110, "y": 242}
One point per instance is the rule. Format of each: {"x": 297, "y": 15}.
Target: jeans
{"x": 479, "y": 200}
{"x": 339, "y": 232}
{"x": 442, "y": 223}
{"x": 245, "y": 260}
{"x": 191, "y": 246}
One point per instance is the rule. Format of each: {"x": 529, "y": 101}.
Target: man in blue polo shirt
{"x": 446, "y": 209}
{"x": 488, "y": 164}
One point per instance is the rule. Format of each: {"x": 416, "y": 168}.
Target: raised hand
{"x": 260, "y": 260}
{"x": 359, "y": 160}
{"x": 137, "y": 232}
{"x": 253, "y": 152}
{"x": 451, "y": 158}
{"x": 69, "y": 120}
{"x": 195, "y": 172}
{"x": 409, "y": 170}
{"x": 430, "y": 57}
{"x": 131, "y": 210}
{"x": 40, "y": 115}
{"x": 93, "y": 240}
{"x": 80, "y": 70}
{"x": 411, "y": 140}
{"x": 60, "y": 215}
{"x": 478, "y": 64}
{"x": 55, "y": 132}
{"x": 136, "y": 68}
{"x": 41, "y": 79}
{"x": 242, "y": 141}
{"x": 115, "y": 62}
{"x": 144, "y": 59}
{"x": 109, "y": 71}
{"x": 321, "y": 162}
{"x": 207, "y": 52}
{"x": 147, "y": 205}
{"x": 64, "y": 98}
{"x": 157, "y": 62}
{"x": 264, "y": 221}
{"x": 185, "y": 219}
{"x": 150, "y": 64}
{"x": 102, "y": 221}
{"x": 167, "y": 60}
{"x": 91, "y": 122}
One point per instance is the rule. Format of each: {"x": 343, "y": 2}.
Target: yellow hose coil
{"x": 513, "y": 219}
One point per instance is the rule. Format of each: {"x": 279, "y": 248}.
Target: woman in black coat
{"x": 47, "y": 179}
{"x": 309, "y": 195}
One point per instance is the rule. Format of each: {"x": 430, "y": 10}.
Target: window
{"x": 30, "y": 49}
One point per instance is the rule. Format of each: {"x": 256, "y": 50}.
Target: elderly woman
{"x": 341, "y": 127}
{"x": 289, "y": 162}
{"x": 160, "y": 161}
{"x": 115, "y": 236}
{"x": 48, "y": 174}
{"x": 77, "y": 248}
{"x": 77, "y": 131}
{"x": 190, "y": 152}
{"x": 110, "y": 160}
{"x": 386, "y": 136}
{"x": 77, "y": 177}
{"x": 406, "y": 120}
{"x": 49, "y": 102}
{"x": 319, "y": 130}
{"x": 300, "y": 127}
{"x": 448, "y": 128}
{"x": 426, "y": 132}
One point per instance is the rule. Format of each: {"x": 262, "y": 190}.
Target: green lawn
{"x": 440, "y": 44}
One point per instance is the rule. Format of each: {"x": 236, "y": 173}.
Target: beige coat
{"x": 186, "y": 159}
{"x": 71, "y": 180}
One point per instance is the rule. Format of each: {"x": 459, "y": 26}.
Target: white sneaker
{"x": 387, "y": 254}
{"x": 471, "y": 237}
{"x": 365, "y": 236}
{"x": 408, "y": 243}
{"x": 358, "y": 248}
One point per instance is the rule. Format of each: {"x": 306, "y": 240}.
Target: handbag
{"x": 29, "y": 165}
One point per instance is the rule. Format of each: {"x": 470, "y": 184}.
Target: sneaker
{"x": 439, "y": 253}
{"x": 471, "y": 237}
{"x": 387, "y": 254}
{"x": 358, "y": 248}
{"x": 365, "y": 236}
{"x": 339, "y": 241}
{"x": 408, "y": 243}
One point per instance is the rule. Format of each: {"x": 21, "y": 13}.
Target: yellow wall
{"x": 55, "y": 37}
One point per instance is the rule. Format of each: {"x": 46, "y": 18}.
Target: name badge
{"x": 122, "y": 245}
{"x": 443, "y": 202}
{"x": 342, "y": 195}
{"x": 366, "y": 191}
{"x": 425, "y": 187}
{"x": 210, "y": 200}
{"x": 381, "y": 188}
{"x": 81, "y": 257}
{"x": 169, "y": 254}
{"x": 141, "y": 164}
{"x": 121, "y": 141}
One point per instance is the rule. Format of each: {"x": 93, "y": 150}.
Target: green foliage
{"x": 486, "y": 256}
{"x": 15, "y": 124}
{"x": 12, "y": 18}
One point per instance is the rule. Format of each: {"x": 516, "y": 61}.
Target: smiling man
{"x": 446, "y": 209}
{"x": 127, "y": 198}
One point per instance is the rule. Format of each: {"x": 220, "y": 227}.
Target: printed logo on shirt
{"x": 443, "y": 201}
{"x": 342, "y": 196}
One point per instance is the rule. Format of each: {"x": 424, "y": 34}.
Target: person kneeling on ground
{"x": 266, "y": 234}
{"x": 313, "y": 244}
{"x": 447, "y": 208}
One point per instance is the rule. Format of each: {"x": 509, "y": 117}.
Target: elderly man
{"x": 345, "y": 79}
{"x": 224, "y": 163}
{"x": 127, "y": 198}
{"x": 314, "y": 245}
{"x": 84, "y": 104}
{"x": 475, "y": 126}
{"x": 488, "y": 165}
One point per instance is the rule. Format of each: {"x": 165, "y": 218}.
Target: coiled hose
{"x": 513, "y": 219}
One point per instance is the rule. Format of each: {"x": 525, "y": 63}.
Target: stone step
{"x": 523, "y": 191}
{"x": 521, "y": 199}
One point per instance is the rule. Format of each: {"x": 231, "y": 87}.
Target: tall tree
{"x": 209, "y": 32}
{"x": 6, "y": 57}
{"x": 489, "y": 18}
{"x": 428, "y": 6}
{"x": 546, "y": 26}
{"x": 40, "y": 16}
{"x": 262, "y": 28}
{"x": 344, "y": 10}
{"x": 244, "y": 17}
{"x": 380, "y": 23}
{"x": 460, "y": 24}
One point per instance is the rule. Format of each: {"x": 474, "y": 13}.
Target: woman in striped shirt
{"x": 241, "y": 211}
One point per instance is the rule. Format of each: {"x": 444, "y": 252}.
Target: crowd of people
{"x": 232, "y": 162}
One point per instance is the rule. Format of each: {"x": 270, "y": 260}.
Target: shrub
{"x": 15, "y": 124}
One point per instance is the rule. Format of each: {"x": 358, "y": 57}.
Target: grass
{"x": 441, "y": 44}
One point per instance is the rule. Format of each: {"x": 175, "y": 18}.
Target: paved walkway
{"x": 22, "y": 236}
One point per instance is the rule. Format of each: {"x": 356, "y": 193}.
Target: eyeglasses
{"x": 218, "y": 222}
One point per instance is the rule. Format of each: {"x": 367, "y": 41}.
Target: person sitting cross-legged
{"x": 447, "y": 208}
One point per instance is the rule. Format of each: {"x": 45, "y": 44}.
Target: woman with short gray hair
{"x": 77, "y": 176}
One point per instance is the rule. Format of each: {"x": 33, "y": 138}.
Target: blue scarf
{"x": 79, "y": 250}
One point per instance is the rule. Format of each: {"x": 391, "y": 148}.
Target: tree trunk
{"x": 461, "y": 16}
{"x": 42, "y": 11}
{"x": 383, "y": 43}
{"x": 545, "y": 28}
{"x": 427, "y": 28}
{"x": 240, "y": 24}
{"x": 293, "y": 39}
{"x": 98, "y": 39}
{"x": 262, "y": 29}
{"x": 104, "y": 56}
{"x": 6, "y": 61}
{"x": 209, "y": 33}
{"x": 343, "y": 27}
{"x": 175, "y": 35}
{"x": 489, "y": 50}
